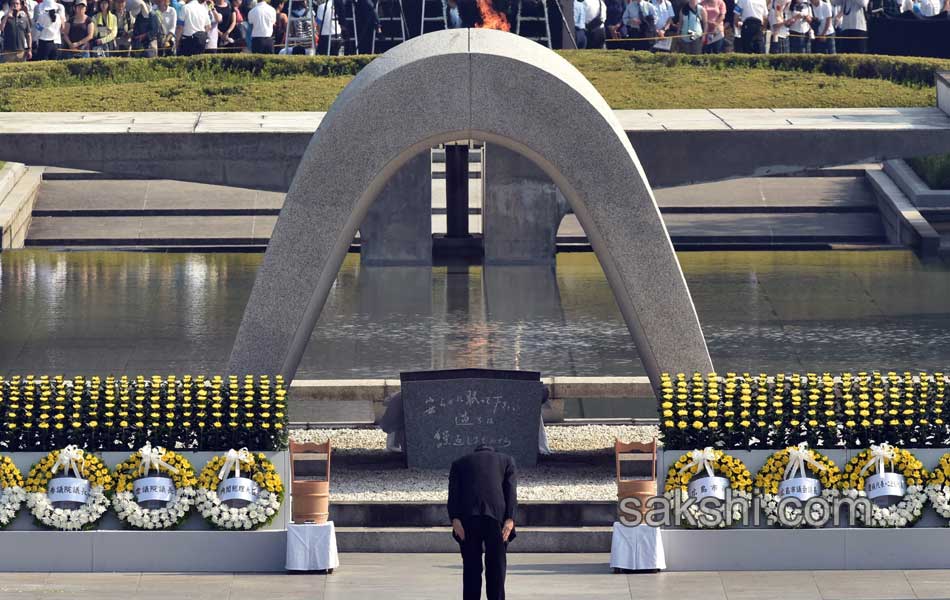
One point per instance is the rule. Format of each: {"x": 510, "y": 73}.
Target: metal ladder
{"x": 437, "y": 22}
{"x": 348, "y": 43}
{"x": 532, "y": 19}
{"x": 301, "y": 31}
{"x": 392, "y": 23}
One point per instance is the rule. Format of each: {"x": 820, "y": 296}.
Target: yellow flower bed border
{"x": 254, "y": 516}
{"x": 772, "y": 473}
{"x": 12, "y": 492}
{"x": 938, "y": 487}
{"x": 174, "y": 513}
{"x": 903, "y": 514}
{"x": 85, "y": 517}
{"x": 724, "y": 465}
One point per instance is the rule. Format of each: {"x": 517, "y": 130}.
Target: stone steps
{"x": 433, "y": 514}
{"x": 439, "y": 539}
{"x": 756, "y": 213}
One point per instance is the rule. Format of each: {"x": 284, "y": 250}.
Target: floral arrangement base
{"x": 805, "y": 549}
{"x": 143, "y": 551}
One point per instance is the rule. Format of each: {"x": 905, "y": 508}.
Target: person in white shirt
{"x": 167, "y": 23}
{"x": 641, "y": 18}
{"x": 595, "y": 16}
{"x": 262, "y": 18}
{"x": 194, "y": 23}
{"x": 749, "y": 17}
{"x": 798, "y": 20}
{"x": 580, "y": 24}
{"x": 50, "y": 24}
{"x": 664, "y": 23}
{"x": 777, "y": 16}
{"x": 854, "y": 26}
{"x": 328, "y": 25}
{"x": 822, "y": 17}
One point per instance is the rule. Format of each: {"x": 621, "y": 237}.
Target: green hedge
{"x": 934, "y": 170}
{"x": 206, "y": 67}
{"x": 898, "y": 69}
{"x": 763, "y": 412}
{"x": 121, "y": 414}
{"x": 903, "y": 70}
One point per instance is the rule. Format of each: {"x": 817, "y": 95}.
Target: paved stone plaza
{"x": 438, "y": 577}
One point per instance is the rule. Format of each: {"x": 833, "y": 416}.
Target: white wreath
{"x": 11, "y": 499}
{"x": 794, "y": 513}
{"x": 940, "y": 498}
{"x": 255, "y": 514}
{"x": 699, "y": 515}
{"x": 131, "y": 512}
{"x": 68, "y": 519}
{"x": 904, "y": 513}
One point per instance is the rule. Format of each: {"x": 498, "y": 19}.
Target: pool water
{"x": 127, "y": 312}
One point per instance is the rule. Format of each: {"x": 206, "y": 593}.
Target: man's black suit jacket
{"x": 483, "y": 483}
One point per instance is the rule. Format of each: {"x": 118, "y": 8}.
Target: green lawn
{"x": 626, "y": 79}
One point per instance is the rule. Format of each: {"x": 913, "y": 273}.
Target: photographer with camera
{"x": 145, "y": 34}
{"x": 692, "y": 27}
{"x": 50, "y": 24}
{"x": 194, "y": 23}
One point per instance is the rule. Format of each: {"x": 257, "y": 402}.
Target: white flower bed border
{"x": 11, "y": 499}
{"x": 68, "y": 519}
{"x": 252, "y": 516}
{"x": 131, "y": 512}
{"x": 697, "y": 513}
{"x": 940, "y": 499}
{"x": 793, "y": 514}
{"x": 903, "y": 514}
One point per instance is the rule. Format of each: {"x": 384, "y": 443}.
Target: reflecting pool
{"x": 114, "y": 312}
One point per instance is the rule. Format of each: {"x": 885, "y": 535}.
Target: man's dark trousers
{"x": 483, "y": 531}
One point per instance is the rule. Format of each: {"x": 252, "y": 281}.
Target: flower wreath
{"x": 157, "y": 460}
{"x": 258, "y": 513}
{"x": 12, "y": 493}
{"x": 909, "y": 509}
{"x": 794, "y": 461}
{"x": 83, "y": 466}
{"x": 716, "y": 462}
{"x": 938, "y": 487}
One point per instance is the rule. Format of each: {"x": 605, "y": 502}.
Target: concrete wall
{"x": 397, "y": 229}
{"x": 521, "y": 212}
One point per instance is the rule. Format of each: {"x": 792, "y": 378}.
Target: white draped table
{"x": 637, "y": 548}
{"x": 311, "y": 547}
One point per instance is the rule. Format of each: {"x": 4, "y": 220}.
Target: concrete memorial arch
{"x": 456, "y": 85}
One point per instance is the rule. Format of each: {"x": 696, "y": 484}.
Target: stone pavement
{"x": 438, "y": 577}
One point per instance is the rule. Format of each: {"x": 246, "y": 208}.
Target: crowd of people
{"x": 751, "y": 26}
{"x": 49, "y": 29}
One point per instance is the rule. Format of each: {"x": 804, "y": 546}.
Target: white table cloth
{"x": 311, "y": 547}
{"x": 637, "y": 548}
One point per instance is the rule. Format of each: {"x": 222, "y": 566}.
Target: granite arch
{"x": 456, "y": 85}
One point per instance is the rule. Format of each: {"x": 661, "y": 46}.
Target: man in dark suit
{"x": 483, "y": 499}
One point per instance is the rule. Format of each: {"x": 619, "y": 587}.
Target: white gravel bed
{"x": 577, "y": 482}
{"x": 561, "y": 438}
{"x": 560, "y": 482}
